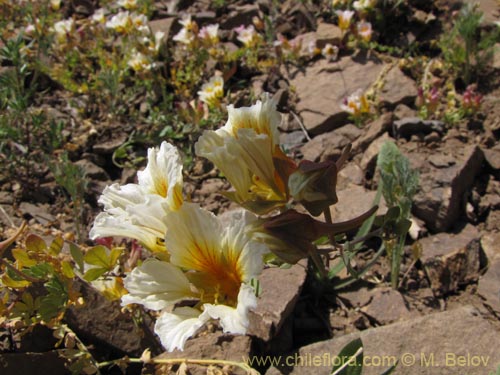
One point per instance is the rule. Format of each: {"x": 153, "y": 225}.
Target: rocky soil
{"x": 444, "y": 318}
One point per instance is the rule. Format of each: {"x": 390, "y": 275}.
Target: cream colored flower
{"x": 363, "y": 5}
{"x": 210, "y": 266}
{"x": 247, "y": 151}
{"x": 139, "y": 62}
{"x": 99, "y": 16}
{"x": 187, "y": 34}
{"x": 344, "y": 18}
{"x": 212, "y": 91}
{"x": 330, "y": 52}
{"x": 209, "y": 34}
{"x": 121, "y": 23}
{"x": 127, "y": 4}
{"x": 55, "y": 4}
{"x": 365, "y": 30}
{"x": 356, "y": 104}
{"x": 138, "y": 210}
{"x": 64, "y": 29}
{"x": 247, "y": 35}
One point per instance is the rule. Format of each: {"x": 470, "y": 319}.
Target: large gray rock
{"x": 451, "y": 260}
{"x": 453, "y": 342}
{"x": 322, "y": 87}
{"x": 446, "y": 175}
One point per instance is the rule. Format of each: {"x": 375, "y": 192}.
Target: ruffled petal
{"x": 156, "y": 285}
{"x": 233, "y": 320}
{"x": 176, "y": 327}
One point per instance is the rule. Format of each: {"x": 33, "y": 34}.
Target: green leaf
{"x": 77, "y": 255}
{"x": 113, "y": 256}
{"x": 40, "y": 270}
{"x": 350, "y": 359}
{"x": 98, "y": 256}
{"x": 35, "y": 243}
{"x": 94, "y": 273}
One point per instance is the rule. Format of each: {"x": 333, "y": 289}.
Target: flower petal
{"x": 176, "y": 327}
{"x": 156, "y": 285}
{"x": 195, "y": 243}
{"x": 233, "y": 320}
{"x": 163, "y": 174}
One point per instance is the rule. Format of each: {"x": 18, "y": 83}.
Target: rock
{"x": 354, "y": 201}
{"x": 401, "y": 111}
{"x": 490, "y": 10}
{"x": 387, "y": 306}
{"x": 322, "y": 87}
{"x": 240, "y": 15}
{"x": 6, "y": 197}
{"x": 409, "y": 126}
{"x": 325, "y": 33}
{"x": 92, "y": 171}
{"x": 492, "y": 157}
{"x": 163, "y": 25}
{"x": 398, "y": 89}
{"x": 493, "y": 221}
{"x": 489, "y": 286}
{"x": 108, "y": 147}
{"x": 451, "y": 260}
{"x": 357, "y": 298}
{"x": 369, "y": 159}
{"x": 293, "y": 140}
{"x": 329, "y": 146}
{"x": 33, "y": 363}
{"x": 374, "y": 130}
{"x": 280, "y": 290}
{"x": 101, "y": 321}
{"x": 490, "y": 243}
{"x": 350, "y": 174}
{"x": 439, "y": 201}
{"x": 40, "y": 212}
{"x": 496, "y": 56}
{"x": 431, "y": 344}
{"x": 209, "y": 345}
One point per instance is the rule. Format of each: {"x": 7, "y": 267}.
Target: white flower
{"x": 210, "y": 266}
{"x": 140, "y": 22}
{"x": 330, "y": 52}
{"x": 55, "y": 4}
{"x": 99, "y": 16}
{"x": 247, "y": 35}
{"x": 139, "y": 62}
{"x": 355, "y": 103}
{"x": 344, "y": 18}
{"x": 209, "y": 33}
{"x": 121, "y": 23}
{"x": 184, "y": 36}
{"x": 247, "y": 151}
{"x": 365, "y": 30}
{"x": 213, "y": 91}
{"x": 63, "y": 29}
{"x": 127, "y": 4}
{"x": 138, "y": 210}
{"x": 362, "y": 5}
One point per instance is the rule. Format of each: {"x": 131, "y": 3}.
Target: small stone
{"x": 40, "y": 212}
{"x": 327, "y": 146}
{"x": 409, "y": 126}
{"x": 280, "y": 290}
{"x": 387, "y": 306}
{"x": 489, "y": 286}
{"x": 398, "y": 89}
{"x": 293, "y": 140}
{"x": 353, "y": 201}
{"x": 402, "y": 111}
{"x": 490, "y": 243}
{"x": 369, "y": 159}
{"x": 451, "y": 260}
{"x": 92, "y": 171}
{"x": 374, "y": 130}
